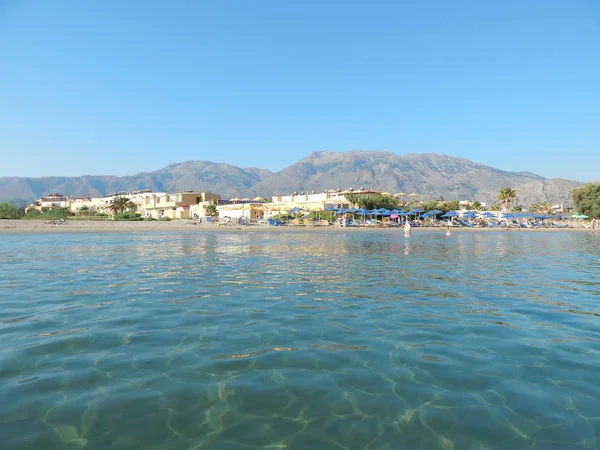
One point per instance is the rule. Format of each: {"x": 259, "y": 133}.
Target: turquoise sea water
{"x": 300, "y": 341}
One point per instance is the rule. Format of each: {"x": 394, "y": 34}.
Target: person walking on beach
{"x": 407, "y": 229}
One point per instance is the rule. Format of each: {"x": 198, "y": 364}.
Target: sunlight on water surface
{"x": 300, "y": 341}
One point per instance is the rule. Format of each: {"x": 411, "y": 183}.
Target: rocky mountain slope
{"x": 554, "y": 190}
{"x": 430, "y": 175}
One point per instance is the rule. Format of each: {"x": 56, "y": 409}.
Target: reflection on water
{"x": 312, "y": 340}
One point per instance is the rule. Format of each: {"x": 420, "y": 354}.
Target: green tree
{"x": 477, "y": 205}
{"x": 429, "y": 205}
{"x": 452, "y": 205}
{"x": 131, "y": 207}
{"x": 542, "y": 207}
{"x": 119, "y": 204}
{"x": 506, "y": 196}
{"x": 587, "y": 200}
{"x": 211, "y": 210}
{"x": 372, "y": 201}
{"x": 10, "y": 211}
{"x": 494, "y": 207}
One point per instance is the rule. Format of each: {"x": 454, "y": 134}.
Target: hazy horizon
{"x": 136, "y": 172}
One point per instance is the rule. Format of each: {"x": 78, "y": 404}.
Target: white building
{"x": 315, "y": 201}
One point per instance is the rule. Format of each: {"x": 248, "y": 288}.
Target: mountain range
{"x": 431, "y": 175}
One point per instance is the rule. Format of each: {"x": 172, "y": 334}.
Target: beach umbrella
{"x": 469, "y": 215}
{"x": 382, "y": 210}
{"x": 435, "y": 211}
{"x": 363, "y": 212}
{"x": 450, "y": 214}
{"x": 374, "y": 212}
{"x": 507, "y": 216}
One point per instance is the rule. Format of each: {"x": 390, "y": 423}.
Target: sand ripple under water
{"x": 198, "y": 340}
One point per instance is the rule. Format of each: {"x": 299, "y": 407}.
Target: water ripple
{"x": 316, "y": 340}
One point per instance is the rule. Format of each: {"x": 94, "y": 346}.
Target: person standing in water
{"x": 407, "y": 229}
{"x": 448, "y": 233}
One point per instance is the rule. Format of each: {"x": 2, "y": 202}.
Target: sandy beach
{"x": 38, "y": 226}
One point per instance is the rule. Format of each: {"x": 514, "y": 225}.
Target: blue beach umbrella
{"x": 507, "y": 216}
{"x": 450, "y": 214}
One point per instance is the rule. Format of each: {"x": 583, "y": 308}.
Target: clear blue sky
{"x": 123, "y": 86}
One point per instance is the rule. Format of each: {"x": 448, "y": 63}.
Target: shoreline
{"x": 8, "y": 226}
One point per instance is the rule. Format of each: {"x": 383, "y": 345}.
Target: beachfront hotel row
{"x": 193, "y": 205}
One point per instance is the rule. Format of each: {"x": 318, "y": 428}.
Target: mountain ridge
{"x": 431, "y": 175}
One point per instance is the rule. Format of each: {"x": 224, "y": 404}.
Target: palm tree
{"x": 211, "y": 210}
{"x": 131, "y": 206}
{"x": 119, "y": 204}
{"x": 477, "y": 205}
{"x": 545, "y": 208}
{"x": 506, "y": 197}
